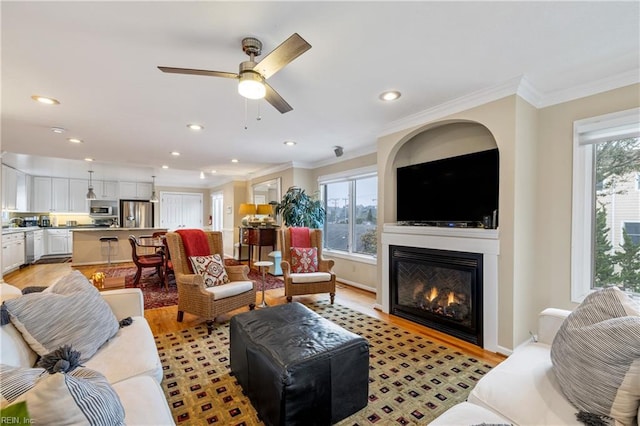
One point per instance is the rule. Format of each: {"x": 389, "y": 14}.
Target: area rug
{"x": 412, "y": 379}
{"x": 155, "y": 295}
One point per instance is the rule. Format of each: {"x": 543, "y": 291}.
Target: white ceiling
{"x": 99, "y": 59}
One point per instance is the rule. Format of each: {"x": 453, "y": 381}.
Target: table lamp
{"x": 248, "y": 210}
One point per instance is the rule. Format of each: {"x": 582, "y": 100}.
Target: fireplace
{"x": 440, "y": 289}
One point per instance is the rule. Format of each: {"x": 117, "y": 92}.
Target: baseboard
{"x": 357, "y": 285}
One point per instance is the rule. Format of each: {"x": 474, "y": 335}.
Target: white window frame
{"x": 586, "y": 133}
{"x": 349, "y": 175}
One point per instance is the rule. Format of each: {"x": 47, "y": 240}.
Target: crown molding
{"x": 520, "y": 86}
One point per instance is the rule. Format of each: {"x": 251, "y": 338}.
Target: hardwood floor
{"x": 163, "y": 320}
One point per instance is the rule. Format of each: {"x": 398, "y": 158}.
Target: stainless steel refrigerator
{"x": 136, "y": 214}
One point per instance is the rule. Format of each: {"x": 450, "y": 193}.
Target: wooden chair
{"x": 145, "y": 261}
{"x": 296, "y": 284}
{"x": 208, "y": 302}
{"x": 168, "y": 264}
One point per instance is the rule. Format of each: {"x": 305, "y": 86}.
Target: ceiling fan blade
{"x": 199, "y": 72}
{"x": 289, "y": 50}
{"x": 276, "y": 100}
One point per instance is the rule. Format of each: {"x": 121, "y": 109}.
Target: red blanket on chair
{"x": 300, "y": 237}
{"x": 195, "y": 242}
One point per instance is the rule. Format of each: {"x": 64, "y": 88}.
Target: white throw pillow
{"x": 70, "y": 312}
{"x": 596, "y": 357}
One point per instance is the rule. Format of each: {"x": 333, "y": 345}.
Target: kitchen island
{"x": 89, "y": 250}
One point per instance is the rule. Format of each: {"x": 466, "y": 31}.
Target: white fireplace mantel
{"x": 472, "y": 240}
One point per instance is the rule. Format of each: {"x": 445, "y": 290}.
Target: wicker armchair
{"x": 296, "y": 284}
{"x": 197, "y": 299}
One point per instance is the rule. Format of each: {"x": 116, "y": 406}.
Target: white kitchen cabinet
{"x": 9, "y": 188}
{"x": 12, "y": 251}
{"x": 22, "y": 191}
{"x": 57, "y": 241}
{"x": 135, "y": 190}
{"x": 59, "y": 194}
{"x": 38, "y": 245}
{"x": 41, "y": 194}
{"x": 106, "y": 189}
{"x": 78, "y": 202}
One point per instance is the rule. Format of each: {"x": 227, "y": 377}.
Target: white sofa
{"x": 522, "y": 390}
{"x": 129, "y": 360}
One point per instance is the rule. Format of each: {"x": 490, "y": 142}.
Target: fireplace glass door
{"x": 439, "y": 289}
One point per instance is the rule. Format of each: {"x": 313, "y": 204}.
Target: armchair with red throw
{"x": 303, "y": 268}
{"x": 194, "y": 296}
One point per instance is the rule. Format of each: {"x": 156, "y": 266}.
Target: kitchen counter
{"x": 89, "y": 250}
{"x": 12, "y": 230}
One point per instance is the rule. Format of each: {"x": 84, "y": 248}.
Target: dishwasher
{"x": 29, "y": 248}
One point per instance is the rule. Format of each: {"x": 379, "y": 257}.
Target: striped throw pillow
{"x": 70, "y": 312}
{"x": 596, "y": 357}
{"x": 82, "y": 396}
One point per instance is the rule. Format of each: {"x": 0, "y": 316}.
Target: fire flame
{"x": 451, "y": 299}
{"x": 433, "y": 294}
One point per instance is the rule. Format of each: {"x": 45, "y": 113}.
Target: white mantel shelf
{"x": 471, "y": 240}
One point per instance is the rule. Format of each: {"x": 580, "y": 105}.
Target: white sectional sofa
{"x": 129, "y": 360}
{"x": 522, "y": 390}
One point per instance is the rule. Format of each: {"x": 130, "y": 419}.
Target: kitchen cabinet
{"x": 78, "y": 202}
{"x": 50, "y": 194}
{"x": 58, "y": 241}
{"x": 8, "y": 188}
{"x": 14, "y": 189}
{"x": 12, "y": 251}
{"x": 106, "y": 189}
{"x": 135, "y": 190}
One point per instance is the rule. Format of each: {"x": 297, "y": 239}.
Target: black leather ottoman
{"x": 298, "y": 368}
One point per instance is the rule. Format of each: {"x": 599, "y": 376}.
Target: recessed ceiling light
{"x": 195, "y": 126}
{"x": 88, "y": 159}
{"x": 164, "y": 166}
{"x": 75, "y": 140}
{"x": 214, "y": 171}
{"x": 58, "y": 130}
{"x": 201, "y": 175}
{"x": 175, "y": 153}
{"x": 234, "y": 160}
{"x": 390, "y": 95}
{"x": 45, "y": 100}
{"x": 290, "y": 143}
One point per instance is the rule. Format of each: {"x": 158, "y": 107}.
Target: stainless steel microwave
{"x": 101, "y": 210}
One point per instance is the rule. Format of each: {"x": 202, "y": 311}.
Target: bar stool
{"x": 108, "y": 240}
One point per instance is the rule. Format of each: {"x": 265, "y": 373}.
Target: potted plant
{"x": 299, "y": 209}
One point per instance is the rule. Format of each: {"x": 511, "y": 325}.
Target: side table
{"x": 263, "y": 264}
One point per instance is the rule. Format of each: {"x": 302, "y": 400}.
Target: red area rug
{"x": 155, "y": 295}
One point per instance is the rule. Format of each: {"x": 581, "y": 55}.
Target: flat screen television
{"x": 455, "y": 191}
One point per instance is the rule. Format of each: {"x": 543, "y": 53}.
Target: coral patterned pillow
{"x": 211, "y": 268}
{"x": 304, "y": 259}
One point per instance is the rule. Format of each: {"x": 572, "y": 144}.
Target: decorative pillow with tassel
{"x": 61, "y": 392}
{"x": 596, "y": 358}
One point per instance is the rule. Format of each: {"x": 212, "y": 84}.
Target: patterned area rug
{"x": 155, "y": 295}
{"x": 412, "y": 380}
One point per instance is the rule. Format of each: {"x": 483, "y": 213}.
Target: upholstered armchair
{"x": 298, "y": 279}
{"x": 197, "y": 298}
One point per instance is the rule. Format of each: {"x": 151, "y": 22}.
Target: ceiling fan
{"x": 252, "y": 74}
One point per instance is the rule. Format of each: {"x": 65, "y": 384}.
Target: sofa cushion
{"x": 15, "y": 350}
{"x": 131, "y": 352}
{"x": 82, "y": 396}
{"x": 7, "y": 291}
{"x": 144, "y": 402}
{"x": 304, "y": 260}
{"x": 70, "y": 312}
{"x": 524, "y": 390}
{"x": 310, "y": 277}
{"x": 211, "y": 268}
{"x": 468, "y": 414}
{"x": 596, "y": 356}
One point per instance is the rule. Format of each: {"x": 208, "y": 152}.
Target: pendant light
{"x": 90, "y": 194}
{"x": 154, "y": 197}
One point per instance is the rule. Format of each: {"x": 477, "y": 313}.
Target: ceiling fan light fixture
{"x": 251, "y": 85}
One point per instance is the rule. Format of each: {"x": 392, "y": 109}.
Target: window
{"x": 350, "y": 203}
{"x": 606, "y": 206}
